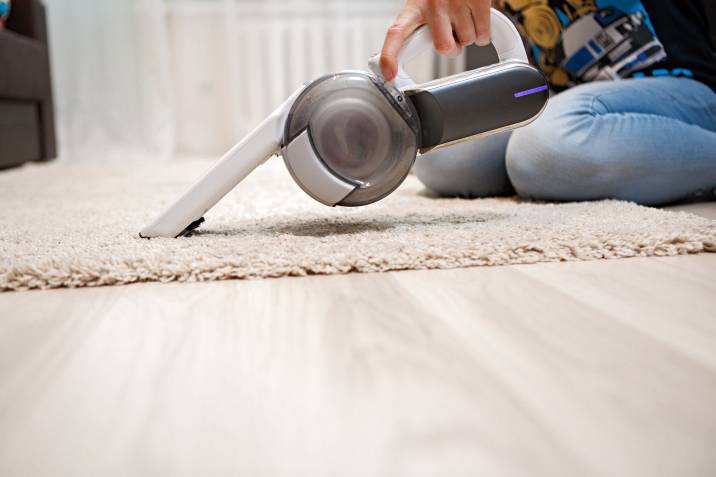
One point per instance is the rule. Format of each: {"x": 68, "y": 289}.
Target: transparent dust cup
{"x": 363, "y": 130}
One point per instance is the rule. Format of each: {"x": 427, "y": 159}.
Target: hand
{"x": 453, "y": 24}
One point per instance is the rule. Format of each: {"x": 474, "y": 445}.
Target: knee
{"x": 437, "y": 175}
{"x": 468, "y": 169}
{"x": 557, "y": 158}
{"x": 445, "y": 175}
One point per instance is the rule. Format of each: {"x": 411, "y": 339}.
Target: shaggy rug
{"x": 76, "y": 226}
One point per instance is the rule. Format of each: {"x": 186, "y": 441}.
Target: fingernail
{"x": 483, "y": 40}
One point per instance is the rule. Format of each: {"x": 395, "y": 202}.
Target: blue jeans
{"x": 647, "y": 140}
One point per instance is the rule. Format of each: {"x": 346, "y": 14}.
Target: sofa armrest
{"x": 26, "y": 84}
{"x": 27, "y": 74}
{"x": 27, "y": 18}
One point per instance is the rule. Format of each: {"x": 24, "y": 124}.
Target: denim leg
{"x": 468, "y": 169}
{"x": 650, "y": 140}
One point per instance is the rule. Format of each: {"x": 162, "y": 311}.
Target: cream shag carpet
{"x": 76, "y": 225}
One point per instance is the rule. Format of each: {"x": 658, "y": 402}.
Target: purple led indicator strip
{"x": 531, "y": 91}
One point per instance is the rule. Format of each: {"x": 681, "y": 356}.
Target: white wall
{"x": 110, "y": 71}
{"x": 234, "y": 61}
{"x": 160, "y": 78}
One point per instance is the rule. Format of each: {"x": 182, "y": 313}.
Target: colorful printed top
{"x": 576, "y": 41}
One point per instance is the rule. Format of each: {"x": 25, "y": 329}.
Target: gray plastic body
{"x": 487, "y": 100}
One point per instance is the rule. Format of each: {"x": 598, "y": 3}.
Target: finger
{"x": 481, "y": 20}
{"x": 443, "y": 38}
{"x": 464, "y": 27}
{"x": 406, "y": 23}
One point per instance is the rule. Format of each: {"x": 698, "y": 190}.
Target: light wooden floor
{"x": 577, "y": 369}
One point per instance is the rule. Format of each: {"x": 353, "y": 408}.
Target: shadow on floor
{"x": 336, "y": 226}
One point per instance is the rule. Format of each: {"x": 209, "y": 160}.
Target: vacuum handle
{"x": 503, "y": 36}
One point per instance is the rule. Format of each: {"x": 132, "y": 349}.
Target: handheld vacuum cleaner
{"x": 350, "y": 138}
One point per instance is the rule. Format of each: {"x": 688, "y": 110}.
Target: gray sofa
{"x": 27, "y": 126}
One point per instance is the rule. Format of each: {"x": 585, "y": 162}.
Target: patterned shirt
{"x": 576, "y": 41}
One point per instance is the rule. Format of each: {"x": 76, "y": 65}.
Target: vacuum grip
{"x": 504, "y": 37}
{"x": 487, "y": 100}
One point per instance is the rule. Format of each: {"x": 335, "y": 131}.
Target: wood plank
{"x": 594, "y": 368}
{"x": 702, "y": 209}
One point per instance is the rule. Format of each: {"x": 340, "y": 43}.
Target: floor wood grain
{"x": 590, "y": 369}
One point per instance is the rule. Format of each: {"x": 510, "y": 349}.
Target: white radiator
{"x": 234, "y": 61}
